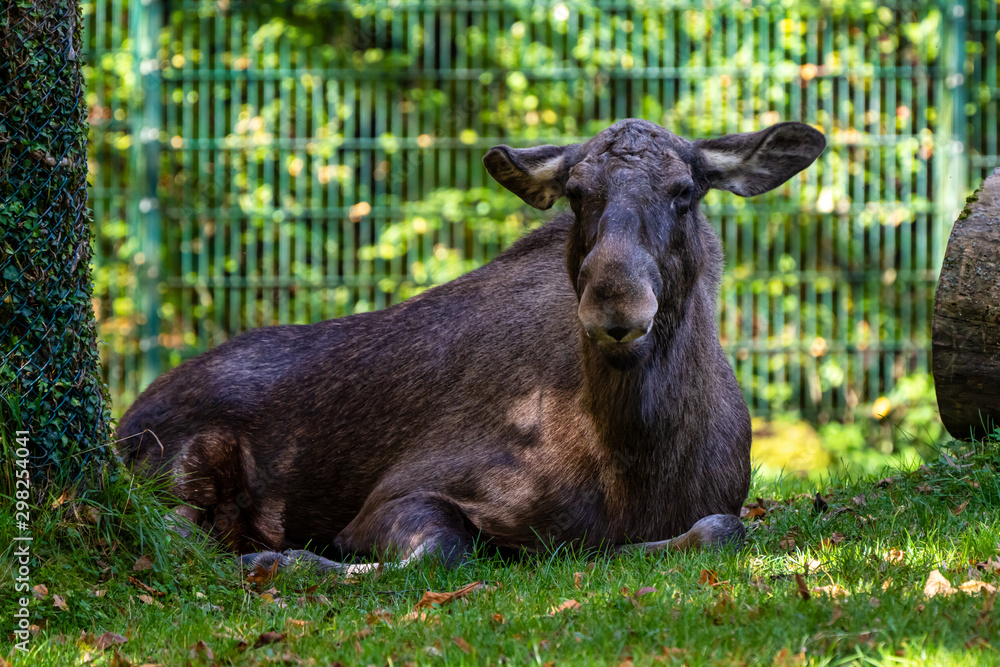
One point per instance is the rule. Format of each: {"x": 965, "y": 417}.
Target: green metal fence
{"x": 266, "y": 162}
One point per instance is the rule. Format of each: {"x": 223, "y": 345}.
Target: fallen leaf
{"x": 143, "y": 562}
{"x": 143, "y": 587}
{"x": 886, "y": 481}
{"x": 708, "y": 577}
{"x": 269, "y": 638}
{"x": 645, "y": 590}
{"x": 973, "y": 586}
{"x": 859, "y": 501}
{"x": 118, "y": 660}
{"x": 107, "y": 640}
{"x": 431, "y": 598}
{"x": 756, "y": 512}
{"x": 886, "y": 584}
{"x": 800, "y": 583}
{"x": 378, "y": 615}
{"x": 148, "y": 599}
{"x": 462, "y": 644}
{"x": 40, "y": 591}
{"x": 961, "y": 508}
{"x": 895, "y": 556}
{"x": 924, "y": 488}
{"x": 837, "y": 538}
{"x": 60, "y": 602}
{"x": 568, "y": 605}
{"x": 819, "y": 504}
{"x": 262, "y": 576}
{"x": 831, "y": 590}
{"x": 874, "y": 603}
{"x": 785, "y": 658}
{"x": 201, "y": 649}
{"x": 499, "y": 619}
{"x": 63, "y": 497}
{"x": 937, "y": 585}
{"x": 577, "y": 579}
{"x": 99, "y": 592}
{"x": 787, "y": 543}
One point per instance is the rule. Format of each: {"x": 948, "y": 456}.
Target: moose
{"x": 571, "y": 391}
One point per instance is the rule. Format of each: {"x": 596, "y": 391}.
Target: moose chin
{"x": 573, "y": 390}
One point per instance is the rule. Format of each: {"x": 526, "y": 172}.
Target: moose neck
{"x": 636, "y": 408}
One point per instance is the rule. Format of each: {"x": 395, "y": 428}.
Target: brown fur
{"x": 501, "y": 404}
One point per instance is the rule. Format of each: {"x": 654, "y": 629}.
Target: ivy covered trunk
{"x": 49, "y": 368}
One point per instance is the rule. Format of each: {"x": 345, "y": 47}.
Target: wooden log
{"x": 966, "y": 324}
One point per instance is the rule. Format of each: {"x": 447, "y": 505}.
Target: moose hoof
{"x": 715, "y": 530}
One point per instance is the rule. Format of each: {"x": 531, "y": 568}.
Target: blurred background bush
{"x": 268, "y": 162}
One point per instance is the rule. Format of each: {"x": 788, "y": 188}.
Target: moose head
{"x": 637, "y": 244}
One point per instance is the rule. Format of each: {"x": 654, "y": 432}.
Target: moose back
{"x": 572, "y": 390}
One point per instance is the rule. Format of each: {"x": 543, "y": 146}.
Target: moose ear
{"x": 536, "y": 175}
{"x": 754, "y": 162}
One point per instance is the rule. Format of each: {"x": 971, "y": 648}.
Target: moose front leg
{"x": 408, "y": 528}
{"x": 715, "y": 530}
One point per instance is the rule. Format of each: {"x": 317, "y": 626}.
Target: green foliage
{"x": 49, "y": 361}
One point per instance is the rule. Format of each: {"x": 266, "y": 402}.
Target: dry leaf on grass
{"x": 961, "y": 508}
{"x": 895, "y": 556}
{"x": 645, "y": 590}
{"x": 710, "y": 577}
{"x": 60, "y": 602}
{"x": 201, "y": 650}
{"x": 431, "y": 598}
{"x": 148, "y": 599}
{"x": 577, "y": 579}
{"x": 937, "y": 585}
{"x": 462, "y": 644}
{"x": 377, "y": 616}
{"x": 40, "y": 591}
{"x": 118, "y": 660}
{"x": 108, "y": 640}
{"x": 146, "y": 589}
{"x": 785, "y": 658}
{"x": 819, "y": 504}
{"x": 568, "y": 605}
{"x": 269, "y": 638}
{"x": 261, "y": 576}
{"x": 973, "y": 586}
{"x": 831, "y": 590}
{"x": 143, "y": 562}
{"x": 800, "y": 584}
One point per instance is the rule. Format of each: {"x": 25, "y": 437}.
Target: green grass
{"x": 894, "y": 534}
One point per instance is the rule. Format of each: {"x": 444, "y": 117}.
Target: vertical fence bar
{"x": 146, "y": 19}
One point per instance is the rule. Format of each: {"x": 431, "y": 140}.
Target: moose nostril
{"x": 618, "y": 333}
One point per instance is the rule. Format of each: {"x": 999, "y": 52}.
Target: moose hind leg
{"x": 713, "y": 531}
{"x": 409, "y": 528}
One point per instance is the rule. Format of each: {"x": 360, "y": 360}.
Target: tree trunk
{"x": 48, "y": 353}
{"x": 966, "y": 325}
